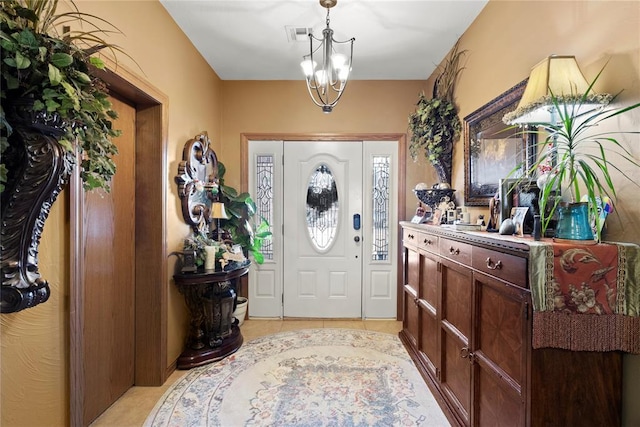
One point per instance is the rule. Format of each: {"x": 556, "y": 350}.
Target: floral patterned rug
{"x": 313, "y": 377}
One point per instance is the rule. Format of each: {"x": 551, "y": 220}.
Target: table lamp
{"x": 218, "y": 212}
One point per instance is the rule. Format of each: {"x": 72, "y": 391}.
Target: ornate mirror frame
{"x": 197, "y": 181}
{"x": 493, "y": 149}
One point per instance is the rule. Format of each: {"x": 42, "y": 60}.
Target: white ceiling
{"x": 395, "y": 39}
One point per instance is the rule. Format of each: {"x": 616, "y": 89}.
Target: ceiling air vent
{"x": 297, "y": 34}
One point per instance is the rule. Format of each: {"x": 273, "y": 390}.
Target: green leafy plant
{"x": 434, "y": 122}
{"x": 576, "y": 156}
{"x": 246, "y": 228}
{"x": 435, "y": 125}
{"x": 54, "y": 74}
{"x": 197, "y": 242}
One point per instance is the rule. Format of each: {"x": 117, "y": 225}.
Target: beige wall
{"x": 35, "y": 343}
{"x": 506, "y": 40}
{"x": 285, "y": 107}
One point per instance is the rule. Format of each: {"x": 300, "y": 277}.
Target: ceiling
{"x": 395, "y": 39}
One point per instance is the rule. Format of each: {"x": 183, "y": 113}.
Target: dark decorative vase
{"x": 444, "y": 164}
{"x": 38, "y": 168}
{"x": 432, "y": 197}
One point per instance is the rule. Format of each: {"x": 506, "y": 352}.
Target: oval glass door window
{"x": 322, "y": 208}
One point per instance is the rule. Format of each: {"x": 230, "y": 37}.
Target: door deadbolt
{"x": 356, "y": 239}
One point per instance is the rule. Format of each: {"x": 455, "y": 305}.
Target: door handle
{"x": 356, "y": 239}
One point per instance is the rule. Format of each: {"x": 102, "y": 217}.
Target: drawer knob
{"x": 427, "y": 241}
{"x": 494, "y": 265}
{"x": 454, "y": 251}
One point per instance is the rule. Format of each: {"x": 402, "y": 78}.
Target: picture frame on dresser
{"x": 518, "y": 215}
{"x": 515, "y": 192}
{"x": 436, "y": 219}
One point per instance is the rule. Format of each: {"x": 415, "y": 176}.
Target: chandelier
{"x": 327, "y": 70}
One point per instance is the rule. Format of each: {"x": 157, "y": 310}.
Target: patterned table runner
{"x": 585, "y": 297}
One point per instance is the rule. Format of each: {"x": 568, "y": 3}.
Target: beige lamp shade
{"x": 218, "y": 211}
{"x": 557, "y": 75}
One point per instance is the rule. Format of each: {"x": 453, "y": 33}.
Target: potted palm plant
{"x": 53, "y": 107}
{"x": 577, "y": 157}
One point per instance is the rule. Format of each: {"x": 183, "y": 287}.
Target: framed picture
{"x": 492, "y": 149}
{"x": 451, "y": 216}
{"x": 518, "y": 215}
{"x": 522, "y": 193}
{"x": 420, "y": 219}
{"x": 437, "y": 217}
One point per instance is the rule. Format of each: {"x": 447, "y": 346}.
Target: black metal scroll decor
{"x": 39, "y": 167}
{"x": 197, "y": 181}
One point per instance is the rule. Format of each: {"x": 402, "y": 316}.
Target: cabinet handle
{"x": 494, "y": 266}
{"x": 464, "y": 352}
{"x": 453, "y": 251}
{"x": 427, "y": 242}
{"x": 410, "y": 236}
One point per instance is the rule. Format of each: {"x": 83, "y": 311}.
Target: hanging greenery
{"x": 435, "y": 126}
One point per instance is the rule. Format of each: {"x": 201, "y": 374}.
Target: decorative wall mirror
{"x": 492, "y": 149}
{"x": 197, "y": 181}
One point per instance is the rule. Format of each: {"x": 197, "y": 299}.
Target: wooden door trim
{"x": 151, "y": 107}
{"x": 402, "y": 173}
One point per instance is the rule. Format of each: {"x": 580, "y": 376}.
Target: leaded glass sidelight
{"x": 264, "y": 197}
{"x": 322, "y": 207}
{"x": 380, "y": 208}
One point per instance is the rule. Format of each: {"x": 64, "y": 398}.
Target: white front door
{"x": 322, "y": 271}
{"x": 322, "y": 218}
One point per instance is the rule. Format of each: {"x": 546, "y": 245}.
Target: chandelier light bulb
{"x": 308, "y": 67}
{"x": 339, "y": 61}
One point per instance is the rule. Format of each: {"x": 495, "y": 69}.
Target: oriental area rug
{"x": 312, "y": 377}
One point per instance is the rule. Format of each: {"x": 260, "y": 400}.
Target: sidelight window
{"x": 380, "y": 208}
{"x": 264, "y": 197}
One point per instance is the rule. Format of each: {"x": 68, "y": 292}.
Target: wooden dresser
{"x": 467, "y": 324}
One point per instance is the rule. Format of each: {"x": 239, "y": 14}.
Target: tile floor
{"x": 132, "y": 408}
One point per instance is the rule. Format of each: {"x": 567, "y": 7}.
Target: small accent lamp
{"x": 326, "y": 83}
{"x": 218, "y": 212}
{"x": 558, "y": 75}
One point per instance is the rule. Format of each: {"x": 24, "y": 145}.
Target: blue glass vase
{"x": 573, "y": 222}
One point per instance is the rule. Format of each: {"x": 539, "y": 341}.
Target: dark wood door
{"x": 500, "y": 348}
{"x": 455, "y": 333}
{"x": 109, "y": 278}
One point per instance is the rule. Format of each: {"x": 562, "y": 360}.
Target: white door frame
{"x": 400, "y": 138}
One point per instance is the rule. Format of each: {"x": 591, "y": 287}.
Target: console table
{"x": 211, "y": 300}
{"x": 493, "y": 324}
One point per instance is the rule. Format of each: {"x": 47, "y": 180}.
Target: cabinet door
{"x": 429, "y": 322}
{"x": 456, "y": 313}
{"x": 411, "y": 314}
{"x": 500, "y": 350}
{"x": 412, "y": 269}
